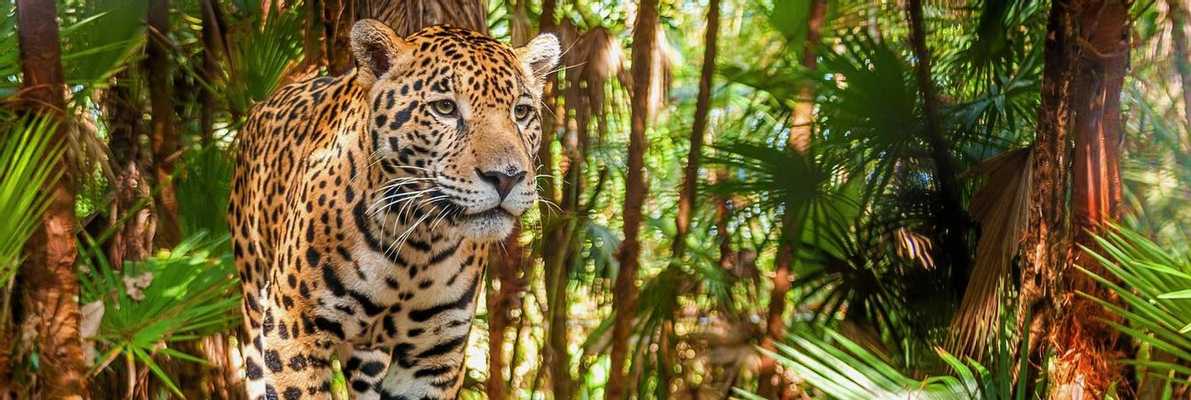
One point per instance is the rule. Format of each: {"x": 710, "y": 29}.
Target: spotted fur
{"x": 362, "y": 207}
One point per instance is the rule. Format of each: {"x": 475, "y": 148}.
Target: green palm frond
{"x": 100, "y": 39}
{"x": 870, "y": 123}
{"x": 177, "y": 295}
{"x": 843, "y": 369}
{"x": 259, "y": 59}
{"x": 1152, "y": 284}
{"x": 27, "y": 157}
{"x": 203, "y": 189}
{"x": 779, "y": 178}
{"x": 10, "y": 54}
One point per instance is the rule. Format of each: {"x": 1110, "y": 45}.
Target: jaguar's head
{"x": 455, "y": 122}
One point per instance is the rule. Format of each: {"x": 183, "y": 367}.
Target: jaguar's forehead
{"x": 468, "y": 63}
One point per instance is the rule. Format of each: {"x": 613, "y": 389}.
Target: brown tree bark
{"x": 557, "y": 232}
{"x": 507, "y": 274}
{"x": 131, "y": 212}
{"x": 1087, "y": 347}
{"x": 955, "y": 220}
{"x": 409, "y": 16}
{"x": 405, "y": 16}
{"x": 312, "y": 35}
{"x": 213, "y": 49}
{"x": 50, "y": 287}
{"x": 548, "y": 23}
{"x": 163, "y": 137}
{"x": 769, "y": 384}
{"x": 1078, "y": 144}
{"x": 624, "y": 300}
{"x": 690, "y": 180}
{"x": 1179, "y": 18}
{"x": 338, "y": 17}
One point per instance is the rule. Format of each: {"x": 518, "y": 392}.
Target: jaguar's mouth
{"x": 493, "y": 224}
{"x": 491, "y": 213}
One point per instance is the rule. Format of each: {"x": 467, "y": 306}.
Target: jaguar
{"x": 363, "y": 206}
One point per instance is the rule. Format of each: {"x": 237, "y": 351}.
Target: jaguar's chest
{"x": 406, "y": 291}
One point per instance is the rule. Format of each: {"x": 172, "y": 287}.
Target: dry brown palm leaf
{"x": 409, "y": 16}
{"x": 662, "y": 75}
{"x": 914, "y": 246}
{"x": 1001, "y": 207}
{"x": 594, "y": 58}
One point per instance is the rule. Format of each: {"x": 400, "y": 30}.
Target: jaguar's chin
{"x": 488, "y": 226}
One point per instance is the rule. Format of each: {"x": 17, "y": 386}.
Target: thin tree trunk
{"x": 556, "y": 232}
{"x": 624, "y": 300}
{"x": 338, "y": 17}
{"x": 690, "y": 181}
{"x": 547, "y": 24}
{"x": 507, "y": 277}
{"x": 506, "y": 274}
{"x": 954, "y": 218}
{"x": 212, "y": 36}
{"x": 722, "y": 213}
{"x": 163, "y": 138}
{"x": 802, "y": 117}
{"x": 50, "y": 287}
{"x": 667, "y": 356}
{"x": 312, "y": 35}
{"x": 131, "y": 213}
{"x": 769, "y": 384}
{"x": 1178, "y": 21}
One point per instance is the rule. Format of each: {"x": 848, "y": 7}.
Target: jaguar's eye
{"x": 444, "y": 107}
{"x": 521, "y": 111}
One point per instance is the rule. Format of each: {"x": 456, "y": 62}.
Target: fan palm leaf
{"x": 27, "y": 157}
{"x": 1151, "y": 283}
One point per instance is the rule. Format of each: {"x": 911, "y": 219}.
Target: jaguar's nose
{"x": 503, "y": 181}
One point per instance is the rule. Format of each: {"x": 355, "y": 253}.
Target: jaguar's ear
{"x": 540, "y": 56}
{"x": 377, "y": 48}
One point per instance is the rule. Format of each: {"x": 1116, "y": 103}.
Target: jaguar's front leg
{"x": 290, "y": 358}
{"x": 364, "y": 369}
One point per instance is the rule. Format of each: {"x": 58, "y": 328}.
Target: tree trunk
{"x": 547, "y": 24}
{"x": 50, "y": 287}
{"x": 163, "y": 138}
{"x": 312, "y": 35}
{"x": 556, "y": 234}
{"x": 338, "y": 17}
{"x": 1086, "y": 56}
{"x": 506, "y": 283}
{"x": 690, "y": 181}
{"x": 1086, "y": 347}
{"x": 954, "y": 219}
{"x": 801, "y": 130}
{"x": 624, "y": 300}
{"x": 131, "y": 212}
{"x": 212, "y": 36}
{"x": 769, "y": 383}
{"x": 802, "y": 117}
{"x": 1178, "y": 21}
{"x": 507, "y": 276}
